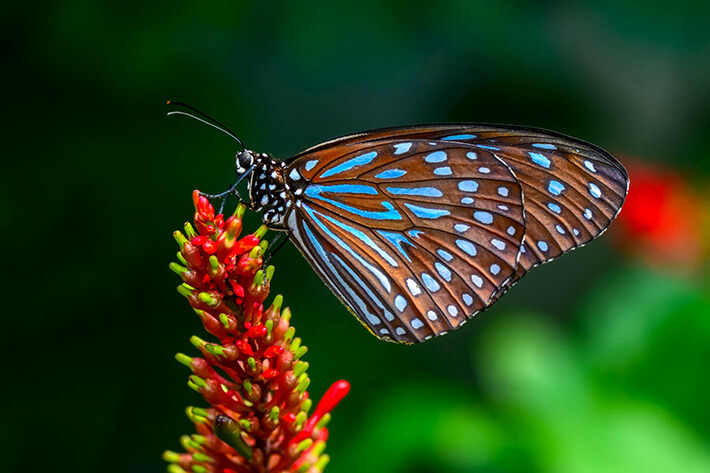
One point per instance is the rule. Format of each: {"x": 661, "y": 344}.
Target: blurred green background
{"x": 595, "y": 363}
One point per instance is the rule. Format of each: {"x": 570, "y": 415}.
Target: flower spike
{"x": 252, "y": 376}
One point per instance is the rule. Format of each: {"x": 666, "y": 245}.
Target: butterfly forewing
{"x": 414, "y": 236}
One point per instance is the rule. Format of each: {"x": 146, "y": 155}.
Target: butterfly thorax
{"x": 268, "y": 191}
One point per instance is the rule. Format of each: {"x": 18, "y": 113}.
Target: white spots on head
{"x": 560, "y": 230}
{"x": 264, "y": 200}
{"x": 467, "y": 247}
{"x": 467, "y": 200}
{"x": 468, "y": 186}
{"x": 503, "y": 191}
{"x": 477, "y": 281}
{"x": 452, "y": 310}
{"x": 443, "y": 271}
{"x": 471, "y": 155}
{"x": 495, "y": 269}
{"x": 400, "y": 302}
{"x": 554, "y": 207}
{"x": 414, "y": 287}
{"x": 400, "y": 331}
{"x": 416, "y": 324}
{"x": 594, "y": 190}
{"x": 589, "y": 165}
{"x": 467, "y": 299}
{"x": 400, "y": 148}
{"x": 555, "y": 187}
{"x": 498, "y": 244}
{"x": 461, "y": 227}
{"x": 587, "y": 214}
{"x": 445, "y": 254}
{"x": 542, "y": 245}
{"x": 483, "y": 217}
{"x": 511, "y": 230}
{"x": 430, "y": 282}
{"x": 484, "y": 170}
{"x": 435, "y": 157}
{"x": 431, "y": 315}
{"x": 540, "y": 160}
{"x": 311, "y": 164}
{"x": 443, "y": 171}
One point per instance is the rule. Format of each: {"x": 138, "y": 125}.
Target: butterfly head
{"x": 244, "y": 162}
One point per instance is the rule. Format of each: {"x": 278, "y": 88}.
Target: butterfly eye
{"x": 244, "y": 160}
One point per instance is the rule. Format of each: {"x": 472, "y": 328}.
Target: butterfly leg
{"x": 224, "y": 196}
{"x": 279, "y": 241}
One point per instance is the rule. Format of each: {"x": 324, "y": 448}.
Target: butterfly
{"x": 417, "y": 229}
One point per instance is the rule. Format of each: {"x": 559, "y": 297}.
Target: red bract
{"x": 662, "y": 219}
{"x": 258, "y": 420}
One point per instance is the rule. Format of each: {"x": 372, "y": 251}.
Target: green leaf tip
{"x": 300, "y": 352}
{"x": 184, "y": 359}
{"x": 261, "y": 231}
{"x": 185, "y": 290}
{"x": 300, "y": 368}
{"x": 270, "y": 272}
{"x": 190, "y": 231}
{"x": 180, "y": 238}
{"x": 208, "y": 299}
{"x": 170, "y": 456}
{"x": 304, "y": 445}
{"x": 324, "y": 420}
{"x": 177, "y": 269}
{"x": 214, "y": 264}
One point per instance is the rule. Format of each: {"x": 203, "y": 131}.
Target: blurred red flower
{"x": 663, "y": 218}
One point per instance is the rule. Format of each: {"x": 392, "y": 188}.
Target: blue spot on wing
{"x": 555, "y": 187}
{"x": 351, "y": 163}
{"x": 540, "y": 160}
{"x": 348, "y": 189}
{"x": 459, "y": 137}
{"x": 426, "y": 212}
{"x": 391, "y": 174}
{"x": 400, "y": 148}
{"x": 416, "y": 191}
{"x": 435, "y": 157}
{"x": 314, "y": 192}
{"x": 363, "y": 238}
{"x": 544, "y": 146}
{"x": 397, "y": 239}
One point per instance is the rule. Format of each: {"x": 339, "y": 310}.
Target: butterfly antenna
{"x": 207, "y": 120}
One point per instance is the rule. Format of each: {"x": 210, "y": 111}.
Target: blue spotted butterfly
{"x": 417, "y": 229}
